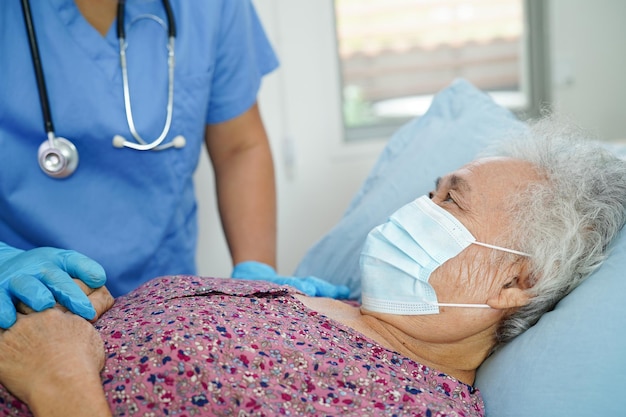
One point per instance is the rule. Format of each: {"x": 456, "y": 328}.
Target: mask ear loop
{"x": 457, "y": 305}
{"x": 487, "y": 245}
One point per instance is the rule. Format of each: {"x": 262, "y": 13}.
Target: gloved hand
{"x": 40, "y": 277}
{"x": 312, "y": 286}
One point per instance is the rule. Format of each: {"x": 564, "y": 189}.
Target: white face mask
{"x": 399, "y": 256}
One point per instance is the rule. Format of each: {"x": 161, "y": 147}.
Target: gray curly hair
{"x": 567, "y": 222}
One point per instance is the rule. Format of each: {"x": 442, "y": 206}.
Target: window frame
{"x": 535, "y": 75}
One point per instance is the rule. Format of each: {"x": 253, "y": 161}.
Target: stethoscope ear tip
{"x": 179, "y": 141}
{"x": 118, "y": 141}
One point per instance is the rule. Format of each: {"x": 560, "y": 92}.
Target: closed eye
{"x": 443, "y": 186}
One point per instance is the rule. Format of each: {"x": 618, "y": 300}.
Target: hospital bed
{"x": 573, "y": 361}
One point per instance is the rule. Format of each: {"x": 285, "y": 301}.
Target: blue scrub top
{"x": 132, "y": 211}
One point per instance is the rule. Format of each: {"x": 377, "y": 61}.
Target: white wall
{"x": 588, "y": 51}
{"x": 317, "y": 174}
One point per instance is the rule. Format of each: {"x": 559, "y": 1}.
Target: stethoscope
{"x": 57, "y": 156}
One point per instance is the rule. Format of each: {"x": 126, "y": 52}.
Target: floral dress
{"x": 189, "y": 346}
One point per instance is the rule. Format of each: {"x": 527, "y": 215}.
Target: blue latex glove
{"x": 40, "y": 277}
{"x": 312, "y": 286}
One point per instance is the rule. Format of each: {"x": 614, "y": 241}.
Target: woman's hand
{"x": 100, "y": 298}
{"x": 51, "y": 361}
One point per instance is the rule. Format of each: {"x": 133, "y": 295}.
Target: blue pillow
{"x": 458, "y": 124}
{"x": 573, "y": 361}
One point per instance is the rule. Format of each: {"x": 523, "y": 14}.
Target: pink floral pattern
{"x": 188, "y": 346}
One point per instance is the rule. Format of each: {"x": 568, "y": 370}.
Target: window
{"x": 395, "y": 54}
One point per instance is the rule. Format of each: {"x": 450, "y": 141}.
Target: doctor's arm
{"x": 244, "y": 177}
{"x": 244, "y": 173}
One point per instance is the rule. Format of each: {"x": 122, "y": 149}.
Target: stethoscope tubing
{"x": 38, "y": 66}
{"x": 141, "y": 144}
{"x": 121, "y": 28}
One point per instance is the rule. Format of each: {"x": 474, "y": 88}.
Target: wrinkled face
{"x": 480, "y": 196}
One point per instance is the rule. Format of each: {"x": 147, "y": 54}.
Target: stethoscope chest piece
{"x": 58, "y": 157}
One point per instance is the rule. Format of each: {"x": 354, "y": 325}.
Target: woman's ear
{"x": 513, "y": 294}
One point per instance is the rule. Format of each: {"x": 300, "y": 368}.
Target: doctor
{"x": 103, "y": 110}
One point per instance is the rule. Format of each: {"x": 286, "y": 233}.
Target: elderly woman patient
{"x": 446, "y": 280}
